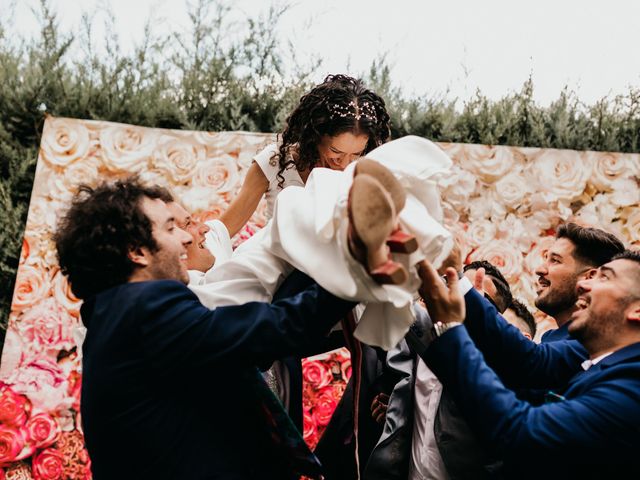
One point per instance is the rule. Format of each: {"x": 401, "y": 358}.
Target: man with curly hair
{"x": 169, "y": 387}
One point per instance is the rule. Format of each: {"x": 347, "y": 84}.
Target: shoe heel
{"x": 391, "y": 273}
{"x": 402, "y": 242}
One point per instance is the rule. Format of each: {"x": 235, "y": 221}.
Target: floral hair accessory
{"x": 353, "y": 110}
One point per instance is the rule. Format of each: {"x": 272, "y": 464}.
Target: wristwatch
{"x": 441, "y": 327}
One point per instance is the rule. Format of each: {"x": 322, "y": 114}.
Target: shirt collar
{"x": 587, "y": 364}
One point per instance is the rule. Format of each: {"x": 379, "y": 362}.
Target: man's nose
{"x": 203, "y": 228}
{"x": 187, "y": 238}
{"x": 542, "y": 269}
{"x": 583, "y": 286}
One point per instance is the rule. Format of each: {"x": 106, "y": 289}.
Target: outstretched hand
{"x": 444, "y": 301}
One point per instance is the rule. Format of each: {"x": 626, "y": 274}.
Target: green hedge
{"x": 213, "y": 79}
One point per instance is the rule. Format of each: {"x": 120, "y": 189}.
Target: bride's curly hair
{"x": 338, "y": 105}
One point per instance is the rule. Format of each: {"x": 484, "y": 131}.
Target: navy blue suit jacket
{"x": 560, "y": 333}
{"x": 593, "y": 432}
{"x": 162, "y": 390}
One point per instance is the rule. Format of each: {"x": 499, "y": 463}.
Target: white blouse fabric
{"x": 270, "y": 167}
{"x": 308, "y": 231}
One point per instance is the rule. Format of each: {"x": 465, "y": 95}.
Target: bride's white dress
{"x": 308, "y": 231}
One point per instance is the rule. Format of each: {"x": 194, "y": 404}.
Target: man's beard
{"x": 557, "y": 299}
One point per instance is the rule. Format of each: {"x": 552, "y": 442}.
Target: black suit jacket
{"x": 162, "y": 392}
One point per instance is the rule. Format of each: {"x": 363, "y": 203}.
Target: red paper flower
{"x": 316, "y": 373}
{"x": 11, "y": 444}
{"x": 48, "y": 465}
{"x": 14, "y": 408}
{"x": 42, "y": 430}
{"x": 325, "y": 405}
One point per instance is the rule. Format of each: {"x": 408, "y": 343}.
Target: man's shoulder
{"x": 148, "y": 294}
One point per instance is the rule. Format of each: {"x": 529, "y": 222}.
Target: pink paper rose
{"x": 325, "y": 405}
{"x": 42, "y": 430}
{"x": 47, "y": 325}
{"x": 11, "y": 444}
{"x": 31, "y": 287}
{"x": 14, "y": 408}
{"x": 316, "y": 373}
{"x": 48, "y": 465}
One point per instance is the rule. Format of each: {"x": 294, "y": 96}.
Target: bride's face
{"x": 339, "y": 151}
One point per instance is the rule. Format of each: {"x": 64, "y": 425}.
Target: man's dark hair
{"x": 634, "y": 256}
{"x": 525, "y": 315}
{"x": 502, "y": 286}
{"x": 98, "y": 231}
{"x": 593, "y": 246}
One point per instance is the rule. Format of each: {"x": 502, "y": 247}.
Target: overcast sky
{"x": 440, "y": 46}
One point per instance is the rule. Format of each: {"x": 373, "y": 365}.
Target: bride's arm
{"x": 242, "y": 207}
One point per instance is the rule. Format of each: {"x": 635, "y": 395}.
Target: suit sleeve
{"x": 178, "y": 332}
{"x": 606, "y": 415}
{"x": 518, "y": 361}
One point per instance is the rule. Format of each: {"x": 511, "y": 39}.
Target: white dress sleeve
{"x": 268, "y": 163}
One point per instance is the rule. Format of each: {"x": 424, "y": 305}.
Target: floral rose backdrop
{"x": 503, "y": 204}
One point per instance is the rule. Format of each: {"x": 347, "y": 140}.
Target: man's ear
{"x": 591, "y": 273}
{"x": 139, "y": 256}
{"x": 633, "y": 314}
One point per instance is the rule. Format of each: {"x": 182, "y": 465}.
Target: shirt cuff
{"x": 464, "y": 285}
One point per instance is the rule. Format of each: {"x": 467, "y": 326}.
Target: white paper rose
{"x": 42, "y": 221}
{"x": 179, "y": 159}
{"x": 126, "y": 148}
{"x": 64, "y": 141}
{"x": 503, "y": 255}
{"x": 481, "y": 232}
{"x": 517, "y": 231}
{"x": 625, "y": 192}
{"x": 197, "y": 199}
{"x": 32, "y": 285}
{"x": 488, "y": 163}
{"x": 457, "y": 186}
{"x": 61, "y": 290}
{"x": 560, "y": 174}
{"x": 62, "y": 187}
{"x": 631, "y": 226}
{"x": 607, "y": 168}
{"x": 535, "y": 257}
{"x": 511, "y": 191}
{"x": 220, "y": 174}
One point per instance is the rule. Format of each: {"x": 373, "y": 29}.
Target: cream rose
{"x": 535, "y": 256}
{"x": 126, "y": 148}
{"x": 220, "y": 174}
{"x": 503, "y": 255}
{"x": 26, "y": 250}
{"x": 625, "y": 192}
{"x": 63, "y": 186}
{"x": 43, "y": 216}
{"x": 155, "y": 177}
{"x": 559, "y": 174}
{"x": 607, "y": 167}
{"x": 487, "y": 162}
{"x": 31, "y": 287}
{"x": 64, "y": 141}
{"x": 457, "y": 187}
{"x": 199, "y": 199}
{"x": 481, "y": 232}
{"x": 631, "y": 225}
{"x": 511, "y": 190}
{"x": 178, "y": 158}
{"x": 518, "y": 232}
{"x": 63, "y": 295}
